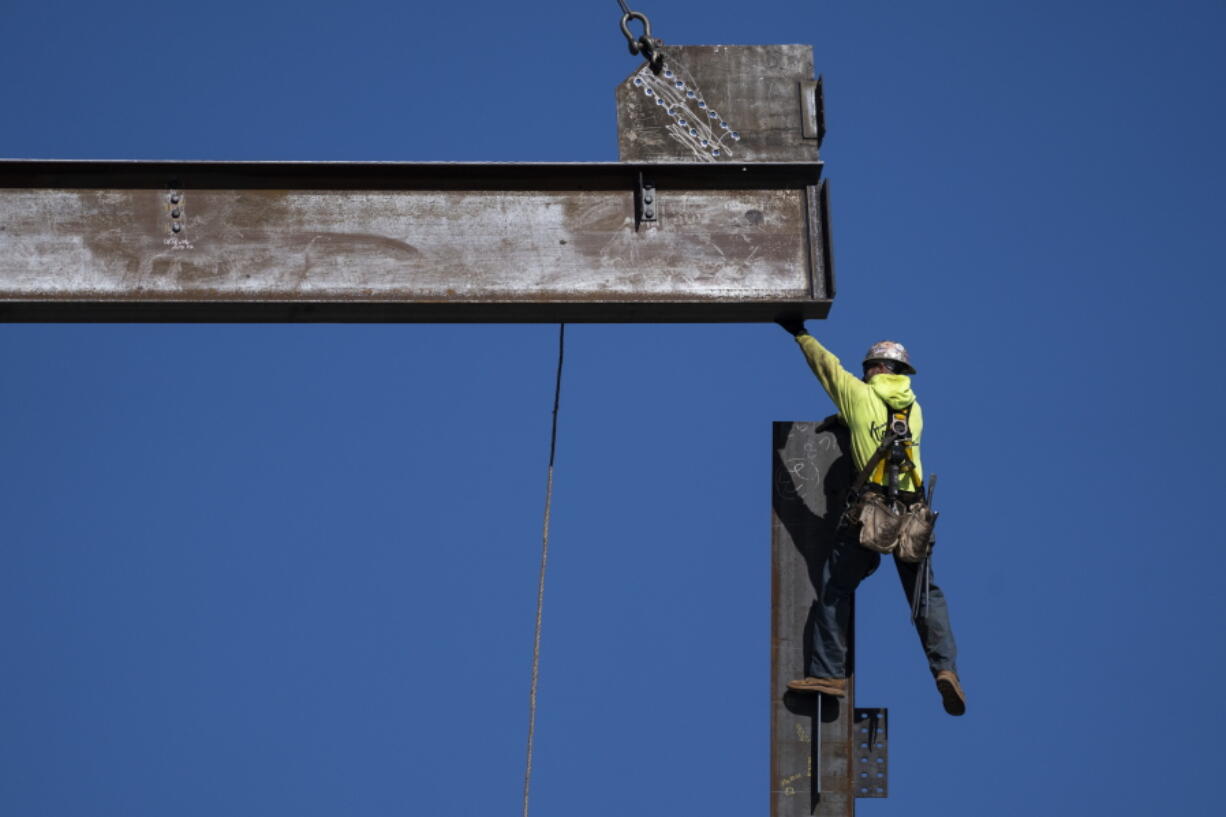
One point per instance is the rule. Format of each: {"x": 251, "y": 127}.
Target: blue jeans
{"x": 848, "y": 565}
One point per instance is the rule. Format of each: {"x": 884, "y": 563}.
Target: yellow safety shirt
{"x": 862, "y": 407}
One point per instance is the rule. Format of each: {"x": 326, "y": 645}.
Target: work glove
{"x": 793, "y": 325}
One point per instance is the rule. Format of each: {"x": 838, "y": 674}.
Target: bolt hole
{"x": 176, "y": 226}
{"x": 736, "y": 136}
{"x": 715, "y": 152}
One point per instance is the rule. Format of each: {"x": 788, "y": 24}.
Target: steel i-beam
{"x": 176, "y": 241}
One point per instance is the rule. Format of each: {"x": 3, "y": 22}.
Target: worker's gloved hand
{"x": 794, "y": 326}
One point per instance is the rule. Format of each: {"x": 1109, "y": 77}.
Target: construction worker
{"x": 867, "y": 406}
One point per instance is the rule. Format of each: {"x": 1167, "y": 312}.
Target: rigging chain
{"x": 540, "y": 587}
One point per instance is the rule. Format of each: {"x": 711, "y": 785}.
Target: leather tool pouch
{"x": 915, "y": 532}
{"x": 904, "y": 530}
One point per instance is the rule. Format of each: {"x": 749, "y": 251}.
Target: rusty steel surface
{"x": 225, "y": 241}
{"x": 811, "y": 748}
{"x": 719, "y": 104}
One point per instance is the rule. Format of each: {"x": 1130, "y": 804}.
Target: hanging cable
{"x": 540, "y": 586}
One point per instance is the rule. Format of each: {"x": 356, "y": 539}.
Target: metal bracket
{"x": 645, "y": 205}
{"x": 813, "y": 110}
{"x": 816, "y": 757}
{"x": 870, "y": 741}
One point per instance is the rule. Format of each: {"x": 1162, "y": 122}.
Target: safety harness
{"x": 893, "y": 457}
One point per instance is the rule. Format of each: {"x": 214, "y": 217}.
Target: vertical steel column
{"x": 811, "y": 769}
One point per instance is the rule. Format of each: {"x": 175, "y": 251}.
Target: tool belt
{"x": 904, "y": 529}
{"x": 890, "y": 520}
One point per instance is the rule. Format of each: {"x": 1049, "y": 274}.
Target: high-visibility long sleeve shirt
{"x": 862, "y": 406}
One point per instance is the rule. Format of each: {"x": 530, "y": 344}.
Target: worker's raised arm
{"x": 840, "y": 384}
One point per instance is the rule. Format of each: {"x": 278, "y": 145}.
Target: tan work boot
{"x": 951, "y": 692}
{"x": 826, "y": 686}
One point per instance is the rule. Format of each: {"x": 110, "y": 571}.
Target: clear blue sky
{"x": 254, "y": 570}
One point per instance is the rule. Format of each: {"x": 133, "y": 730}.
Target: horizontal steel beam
{"x": 437, "y": 242}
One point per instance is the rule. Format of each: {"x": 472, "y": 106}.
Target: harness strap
{"x": 900, "y": 457}
{"x": 878, "y": 458}
{"x": 875, "y": 468}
